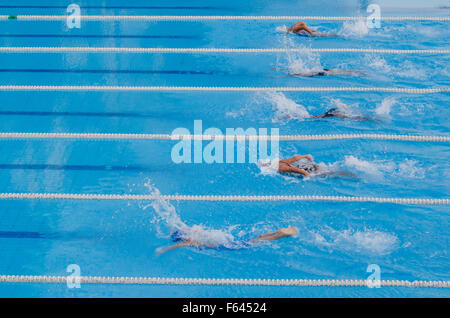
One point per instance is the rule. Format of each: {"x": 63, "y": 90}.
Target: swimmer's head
{"x": 176, "y": 236}
{"x": 289, "y": 231}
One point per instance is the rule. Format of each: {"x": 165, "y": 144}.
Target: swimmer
{"x": 323, "y": 72}
{"x": 301, "y": 28}
{"x": 283, "y": 232}
{"x": 287, "y": 165}
{"x": 307, "y": 167}
{"x": 335, "y": 112}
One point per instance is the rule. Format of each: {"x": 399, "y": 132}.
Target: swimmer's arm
{"x": 185, "y": 243}
{"x": 289, "y": 169}
{"x": 297, "y": 158}
{"x": 300, "y": 26}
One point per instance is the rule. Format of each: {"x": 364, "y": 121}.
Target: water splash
{"x": 286, "y": 109}
{"x": 378, "y": 169}
{"x": 268, "y": 167}
{"x": 168, "y": 222}
{"x": 350, "y": 111}
{"x": 303, "y": 61}
{"x": 282, "y": 29}
{"x": 356, "y": 28}
{"x": 409, "y": 168}
{"x": 409, "y": 70}
{"x": 406, "y": 69}
{"x": 369, "y": 168}
{"x": 378, "y": 63}
{"x": 368, "y": 242}
{"x": 384, "y": 109}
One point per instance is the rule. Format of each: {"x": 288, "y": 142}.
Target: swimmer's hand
{"x": 299, "y": 157}
{"x": 307, "y": 174}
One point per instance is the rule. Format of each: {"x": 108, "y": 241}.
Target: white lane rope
{"x": 112, "y": 136}
{"x": 207, "y": 17}
{"x": 220, "y": 281}
{"x": 221, "y": 88}
{"x": 218, "y": 198}
{"x": 41, "y": 49}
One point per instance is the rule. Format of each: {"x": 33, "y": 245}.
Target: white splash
{"x": 366, "y": 167}
{"x": 286, "y": 109}
{"x": 384, "y": 109}
{"x": 367, "y": 242}
{"x": 345, "y": 109}
{"x": 282, "y": 29}
{"x": 268, "y": 167}
{"x": 409, "y": 70}
{"x": 168, "y": 217}
{"x": 406, "y": 69}
{"x": 378, "y": 63}
{"x": 409, "y": 168}
{"x": 356, "y": 28}
{"x": 303, "y": 61}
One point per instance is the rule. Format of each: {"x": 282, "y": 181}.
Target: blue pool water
{"x": 121, "y": 238}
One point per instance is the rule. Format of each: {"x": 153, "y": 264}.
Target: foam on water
{"x": 409, "y": 168}
{"x": 406, "y": 69}
{"x": 378, "y": 63}
{"x": 368, "y": 242}
{"x": 378, "y": 169}
{"x": 366, "y": 167}
{"x": 409, "y": 70}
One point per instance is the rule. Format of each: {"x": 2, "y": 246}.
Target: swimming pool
{"x": 336, "y": 240}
